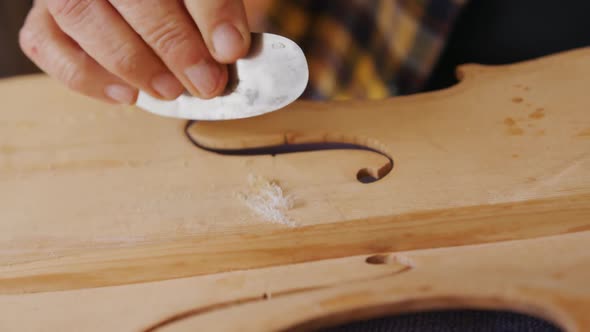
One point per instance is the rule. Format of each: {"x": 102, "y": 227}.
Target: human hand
{"x": 110, "y": 49}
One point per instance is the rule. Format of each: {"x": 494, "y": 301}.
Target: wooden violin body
{"x": 115, "y": 219}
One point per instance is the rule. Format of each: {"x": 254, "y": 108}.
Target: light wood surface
{"x": 95, "y": 195}
{"x": 546, "y": 277}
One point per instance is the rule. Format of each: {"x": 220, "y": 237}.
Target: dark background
{"x": 487, "y": 32}
{"x": 506, "y": 31}
{"x": 12, "y": 16}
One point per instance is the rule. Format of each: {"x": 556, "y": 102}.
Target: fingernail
{"x": 167, "y": 86}
{"x": 204, "y": 76}
{"x": 120, "y": 93}
{"x": 228, "y": 42}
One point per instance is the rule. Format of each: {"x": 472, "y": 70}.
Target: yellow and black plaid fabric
{"x": 366, "y": 48}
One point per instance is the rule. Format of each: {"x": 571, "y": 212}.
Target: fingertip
{"x": 121, "y": 93}
{"x": 167, "y": 86}
{"x": 229, "y": 43}
{"x": 222, "y": 80}
{"x": 208, "y": 78}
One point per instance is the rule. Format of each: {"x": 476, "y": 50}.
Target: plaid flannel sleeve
{"x": 366, "y": 48}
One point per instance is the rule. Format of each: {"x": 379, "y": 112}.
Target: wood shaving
{"x": 267, "y": 200}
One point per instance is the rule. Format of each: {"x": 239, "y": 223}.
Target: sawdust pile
{"x": 267, "y": 200}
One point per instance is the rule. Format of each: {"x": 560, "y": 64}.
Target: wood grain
{"x": 546, "y": 277}
{"x": 95, "y": 195}
{"x": 511, "y": 277}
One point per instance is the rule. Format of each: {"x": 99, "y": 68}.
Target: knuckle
{"x": 72, "y": 76}
{"x": 169, "y": 37}
{"x": 29, "y": 40}
{"x": 69, "y": 9}
{"x": 32, "y": 35}
{"x": 125, "y": 60}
